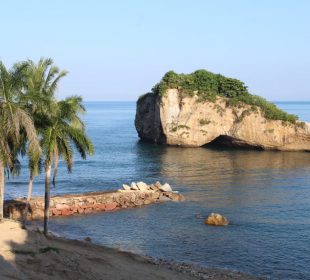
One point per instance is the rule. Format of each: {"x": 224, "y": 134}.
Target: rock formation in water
{"x": 179, "y": 119}
{"x": 216, "y": 219}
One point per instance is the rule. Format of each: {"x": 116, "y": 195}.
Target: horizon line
{"x": 307, "y": 101}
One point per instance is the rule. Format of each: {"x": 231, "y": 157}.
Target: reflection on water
{"x": 266, "y": 195}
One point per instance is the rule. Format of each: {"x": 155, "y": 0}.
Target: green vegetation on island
{"x": 207, "y": 86}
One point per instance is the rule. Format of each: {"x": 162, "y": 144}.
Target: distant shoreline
{"x": 134, "y": 101}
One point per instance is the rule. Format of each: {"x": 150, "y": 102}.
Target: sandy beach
{"x": 26, "y": 254}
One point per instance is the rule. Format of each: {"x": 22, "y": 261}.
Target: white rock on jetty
{"x": 134, "y": 186}
{"x": 142, "y": 186}
{"x": 126, "y": 187}
{"x": 165, "y": 188}
{"x": 157, "y": 185}
{"x": 216, "y": 219}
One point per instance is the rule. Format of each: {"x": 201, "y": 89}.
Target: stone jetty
{"x": 130, "y": 196}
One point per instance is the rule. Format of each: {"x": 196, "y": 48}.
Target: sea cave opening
{"x": 231, "y": 142}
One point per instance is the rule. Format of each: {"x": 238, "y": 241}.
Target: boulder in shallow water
{"x": 165, "y": 188}
{"x": 142, "y": 186}
{"x": 216, "y": 219}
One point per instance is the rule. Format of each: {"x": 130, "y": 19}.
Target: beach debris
{"x": 216, "y": 219}
{"x": 126, "y": 187}
{"x": 165, "y": 188}
{"x": 134, "y": 186}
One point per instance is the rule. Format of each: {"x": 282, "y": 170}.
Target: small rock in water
{"x": 134, "y": 186}
{"x": 142, "y": 186}
{"x": 216, "y": 219}
{"x": 88, "y": 239}
{"x": 166, "y": 188}
{"x": 126, "y": 187}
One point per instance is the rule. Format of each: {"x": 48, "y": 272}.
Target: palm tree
{"x": 15, "y": 124}
{"x": 63, "y": 131}
{"x": 34, "y": 166}
{"x": 40, "y": 82}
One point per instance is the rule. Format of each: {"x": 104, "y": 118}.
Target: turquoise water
{"x": 266, "y": 195}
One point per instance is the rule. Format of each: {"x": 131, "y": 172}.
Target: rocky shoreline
{"x": 204, "y": 273}
{"x": 135, "y": 195}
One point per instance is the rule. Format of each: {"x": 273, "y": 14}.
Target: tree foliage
{"x": 207, "y": 86}
{"x": 33, "y": 120}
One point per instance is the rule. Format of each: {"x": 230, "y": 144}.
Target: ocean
{"x": 265, "y": 195}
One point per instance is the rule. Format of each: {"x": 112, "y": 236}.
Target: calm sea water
{"x": 266, "y": 195}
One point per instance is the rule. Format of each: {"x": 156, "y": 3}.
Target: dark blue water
{"x": 266, "y": 195}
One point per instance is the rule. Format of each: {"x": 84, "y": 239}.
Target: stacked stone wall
{"x": 86, "y": 203}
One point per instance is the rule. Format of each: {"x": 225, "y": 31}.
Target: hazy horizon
{"x": 273, "y": 101}
{"x": 118, "y": 51}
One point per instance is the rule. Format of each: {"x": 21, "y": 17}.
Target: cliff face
{"x": 184, "y": 121}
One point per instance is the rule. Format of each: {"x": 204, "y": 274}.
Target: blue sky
{"x": 117, "y": 50}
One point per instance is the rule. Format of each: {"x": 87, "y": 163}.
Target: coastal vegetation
{"x": 34, "y": 123}
{"x": 207, "y": 86}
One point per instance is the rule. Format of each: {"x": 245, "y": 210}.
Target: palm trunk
{"x": 48, "y": 169}
{"x": 1, "y": 189}
{"x": 30, "y": 184}
{"x": 56, "y": 161}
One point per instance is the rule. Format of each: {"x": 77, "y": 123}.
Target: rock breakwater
{"x": 138, "y": 194}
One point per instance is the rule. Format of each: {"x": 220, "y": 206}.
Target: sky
{"x": 117, "y": 50}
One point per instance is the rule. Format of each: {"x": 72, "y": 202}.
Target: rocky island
{"x": 193, "y": 110}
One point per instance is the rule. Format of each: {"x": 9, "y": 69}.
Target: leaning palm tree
{"x": 40, "y": 82}
{"x": 62, "y": 132}
{"x": 15, "y": 123}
